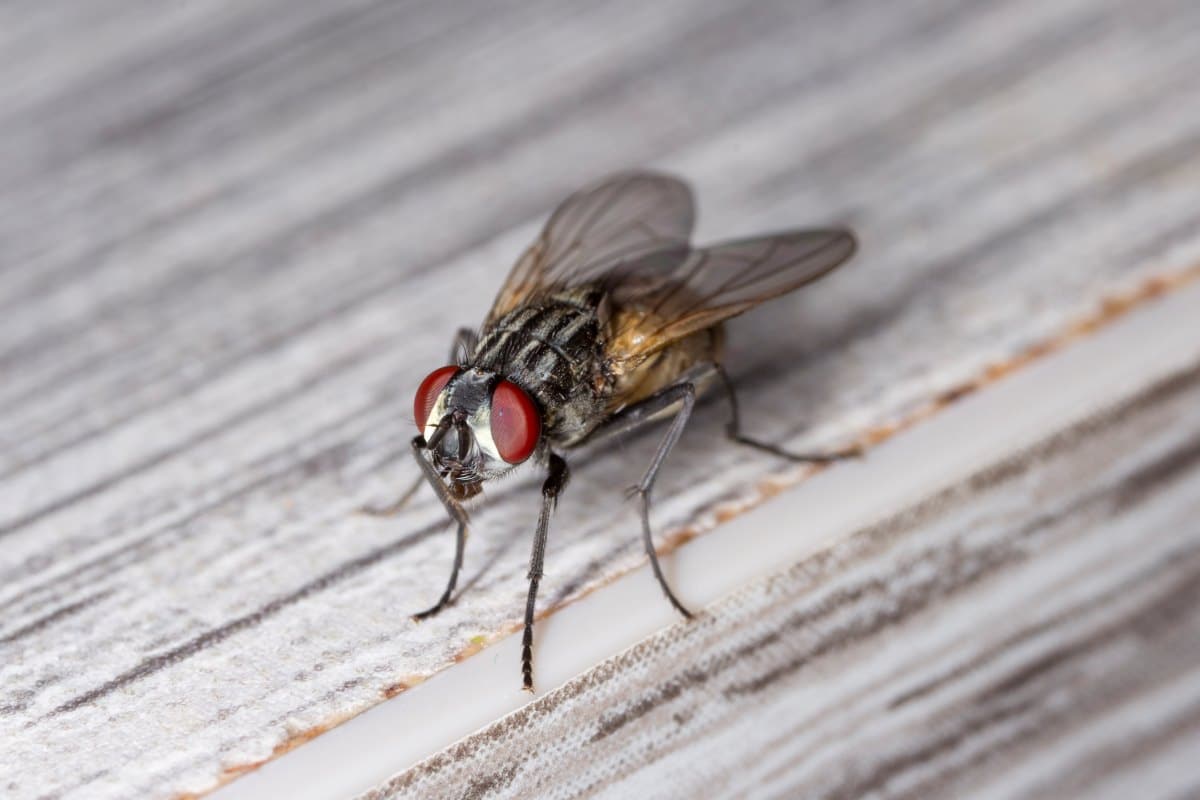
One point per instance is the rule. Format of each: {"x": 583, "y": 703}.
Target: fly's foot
{"x": 429, "y": 612}
{"x": 421, "y": 616}
{"x": 853, "y": 451}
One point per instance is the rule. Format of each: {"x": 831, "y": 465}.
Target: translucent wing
{"x": 657, "y": 307}
{"x": 617, "y": 221}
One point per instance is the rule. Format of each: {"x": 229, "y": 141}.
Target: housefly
{"x": 609, "y": 321}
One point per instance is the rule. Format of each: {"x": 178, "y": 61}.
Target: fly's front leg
{"x": 457, "y": 513}
{"x": 734, "y": 431}
{"x": 460, "y": 349}
{"x": 555, "y": 481}
{"x": 460, "y": 544}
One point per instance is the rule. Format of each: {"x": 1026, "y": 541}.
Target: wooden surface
{"x": 234, "y": 236}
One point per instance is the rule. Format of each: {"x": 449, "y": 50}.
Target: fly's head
{"x": 476, "y": 424}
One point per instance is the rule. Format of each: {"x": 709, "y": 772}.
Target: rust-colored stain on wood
{"x": 295, "y": 740}
{"x": 287, "y": 745}
{"x": 394, "y": 689}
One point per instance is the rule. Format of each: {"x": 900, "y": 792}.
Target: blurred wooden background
{"x": 234, "y": 236}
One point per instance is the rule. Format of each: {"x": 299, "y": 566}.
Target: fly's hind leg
{"x": 460, "y": 349}
{"x": 733, "y": 430}
{"x": 682, "y": 395}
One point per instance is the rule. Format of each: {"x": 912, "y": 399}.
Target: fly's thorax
{"x": 553, "y": 349}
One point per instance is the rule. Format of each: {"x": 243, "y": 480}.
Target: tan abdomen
{"x": 634, "y": 382}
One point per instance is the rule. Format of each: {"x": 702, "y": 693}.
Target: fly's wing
{"x": 656, "y": 308}
{"x": 598, "y": 229}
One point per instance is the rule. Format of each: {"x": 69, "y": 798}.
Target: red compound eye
{"x": 516, "y": 424}
{"x": 427, "y": 394}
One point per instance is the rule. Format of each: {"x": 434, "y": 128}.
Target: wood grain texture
{"x": 233, "y": 237}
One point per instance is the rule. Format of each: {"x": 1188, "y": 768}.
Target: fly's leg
{"x": 555, "y": 481}
{"x": 684, "y": 396}
{"x": 392, "y": 509}
{"x": 460, "y": 543}
{"x": 734, "y": 432}
{"x": 460, "y": 349}
{"x": 457, "y": 513}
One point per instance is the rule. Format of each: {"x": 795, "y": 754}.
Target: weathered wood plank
{"x": 233, "y": 237}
